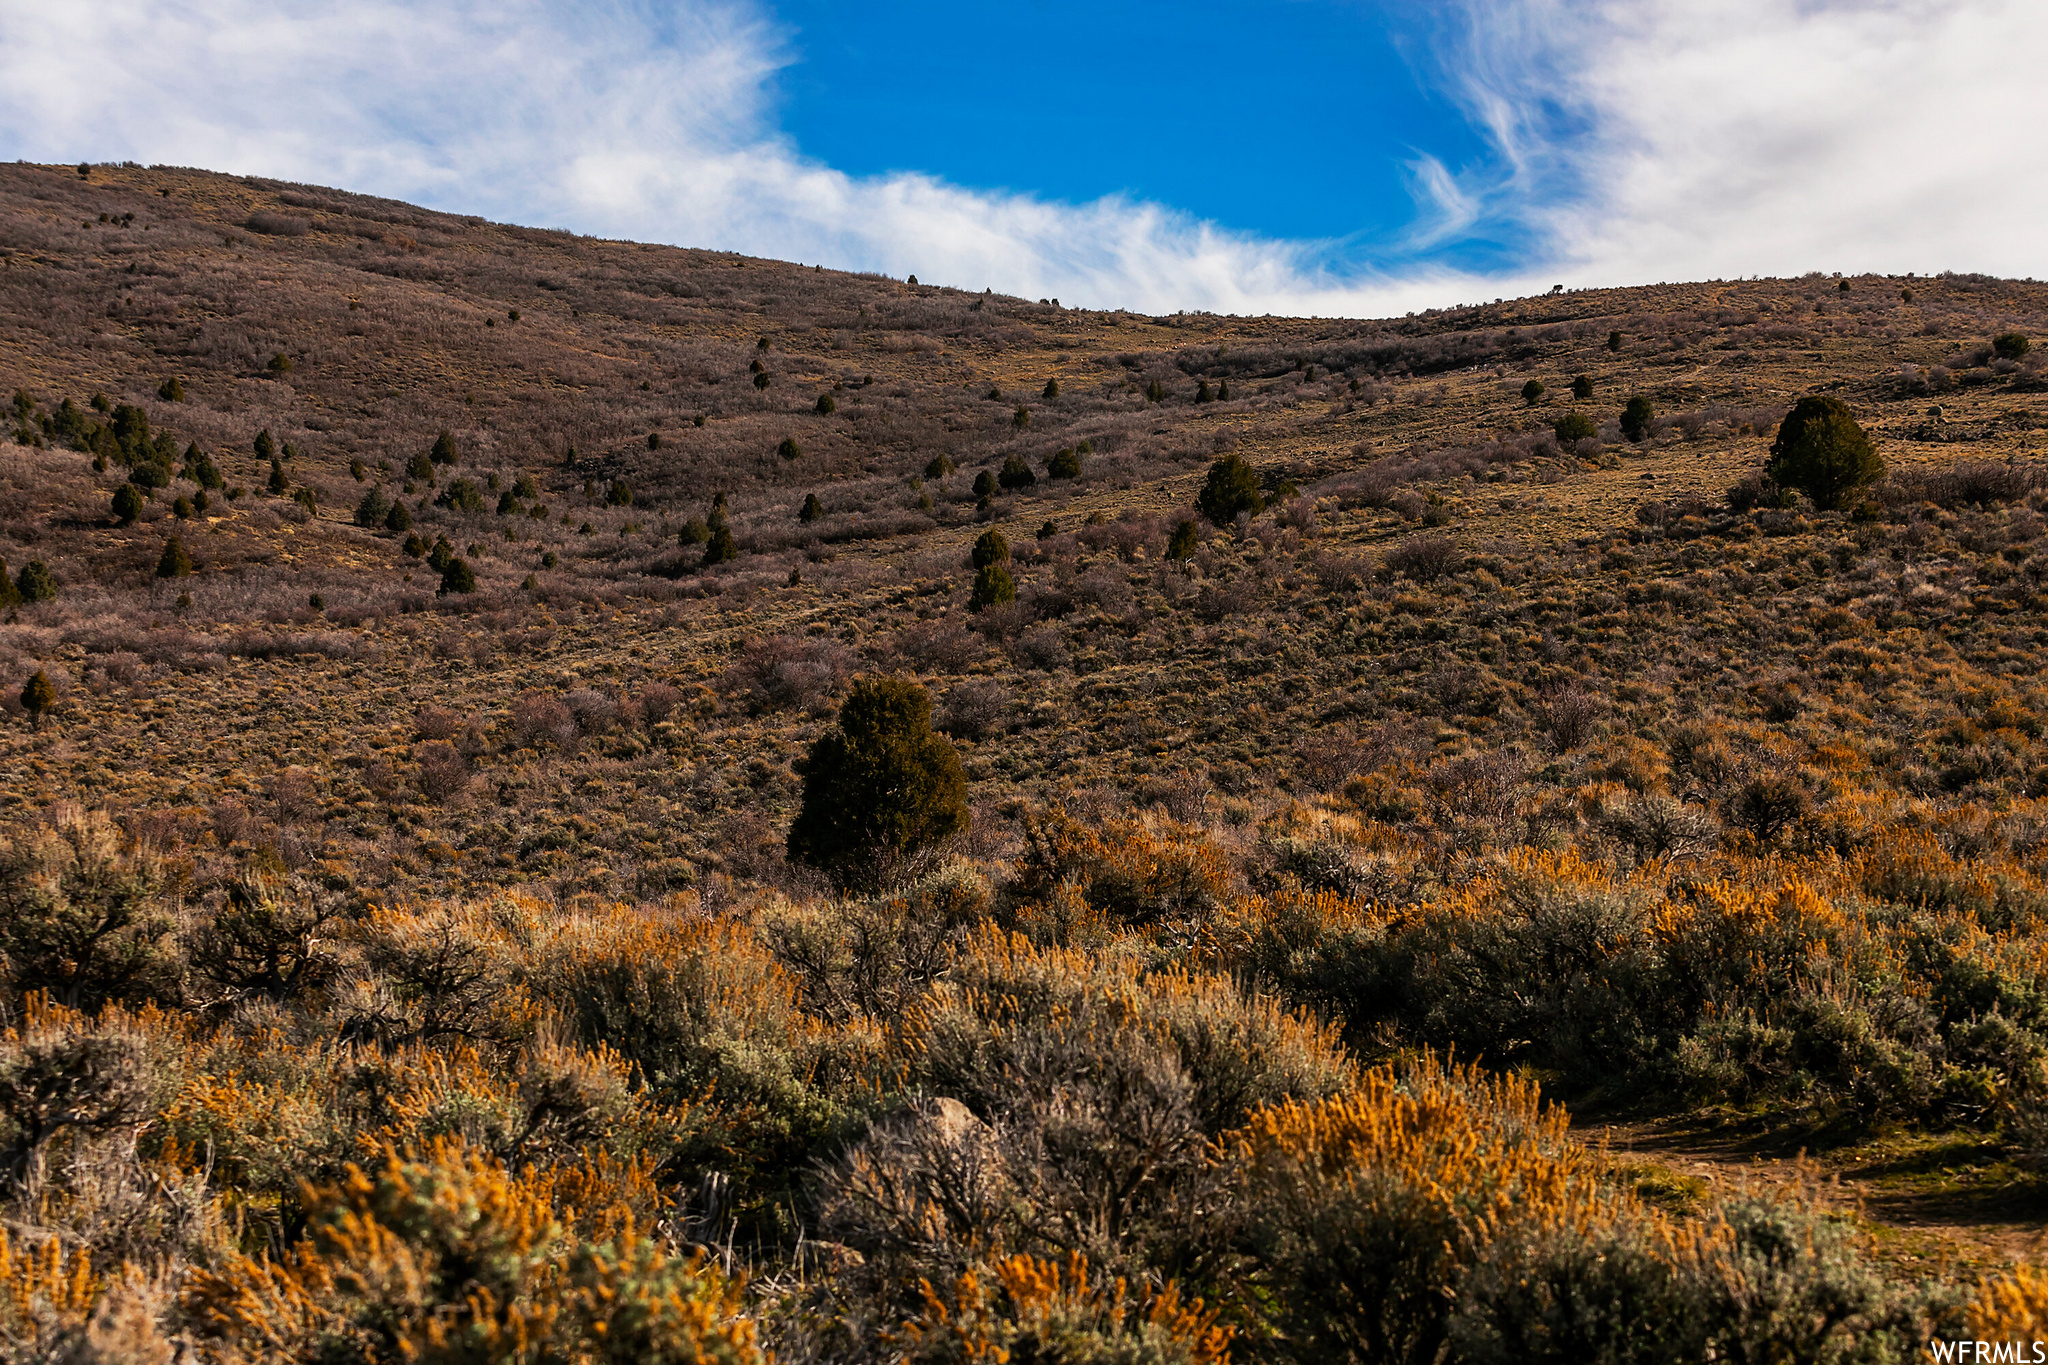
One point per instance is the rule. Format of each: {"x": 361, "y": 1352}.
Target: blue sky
{"x": 1330, "y": 157}
{"x": 1294, "y": 120}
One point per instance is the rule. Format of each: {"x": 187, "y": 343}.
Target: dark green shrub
{"x": 827, "y": 405}
{"x": 1065, "y": 464}
{"x": 37, "y": 696}
{"x": 200, "y": 468}
{"x": 761, "y": 380}
{"x": 1046, "y": 532}
{"x": 1186, "y": 539}
{"x": 984, "y": 484}
{"x": 880, "y": 789}
{"x": 813, "y": 509}
{"x": 993, "y": 586}
{"x": 1582, "y": 387}
{"x": 1052, "y": 388}
{"x": 35, "y": 583}
{"x": 279, "y": 364}
{"x": 441, "y": 555}
{"x": 991, "y": 548}
{"x": 1155, "y": 392}
{"x": 277, "y": 484}
{"x": 694, "y": 532}
{"x": 171, "y": 391}
{"x": 1573, "y": 426}
{"x": 789, "y": 449}
{"x": 399, "y": 518}
{"x": 457, "y": 578}
{"x": 939, "y": 467}
{"x": 1636, "y": 418}
{"x": 444, "y": 449}
{"x": 721, "y": 548}
{"x": 414, "y": 546}
{"x": 128, "y": 504}
{"x": 618, "y": 495}
{"x": 1614, "y": 341}
{"x": 10, "y": 595}
{"x": 1021, "y": 418}
{"x": 463, "y": 495}
{"x": 1232, "y": 487}
{"x": 173, "y": 562}
{"x": 1821, "y": 451}
{"x": 1203, "y": 393}
{"x": 2011, "y": 345}
{"x": 420, "y": 468}
{"x": 1016, "y": 473}
{"x": 358, "y": 471}
{"x": 149, "y": 474}
{"x": 1532, "y": 392}
{"x": 266, "y": 448}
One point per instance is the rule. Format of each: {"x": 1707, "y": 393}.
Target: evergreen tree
{"x": 1156, "y": 391}
{"x": 266, "y": 449}
{"x": 414, "y": 546}
{"x": 694, "y": 532}
{"x": 1232, "y": 487}
{"x": 1582, "y": 387}
{"x": 1052, "y": 389}
{"x": 721, "y": 548}
{"x": 1532, "y": 392}
{"x": 2011, "y": 345}
{"x": 880, "y": 788}
{"x": 420, "y": 468}
{"x": 200, "y": 468}
{"x": 181, "y": 507}
{"x": 10, "y": 596}
{"x": 278, "y": 482}
{"x": 1636, "y": 418}
{"x": 789, "y": 449}
{"x": 438, "y": 558}
{"x": 174, "y": 562}
{"x": 1821, "y": 451}
{"x": 939, "y": 467}
{"x": 813, "y": 509}
{"x": 984, "y": 484}
{"x": 1203, "y": 393}
{"x": 37, "y": 696}
{"x": 827, "y": 405}
{"x": 1065, "y": 464}
{"x": 1185, "y": 541}
{"x": 457, "y": 578}
{"x": 993, "y": 586}
{"x": 35, "y": 583}
{"x": 444, "y": 449}
{"x": 1050, "y": 529}
{"x": 1223, "y": 391}
{"x": 1573, "y": 426}
{"x": 127, "y": 504}
{"x": 992, "y": 548}
{"x": 171, "y": 391}
{"x": 1614, "y": 341}
{"x": 399, "y": 518}
{"x": 1016, "y": 473}
{"x": 1021, "y": 418}
{"x": 371, "y": 511}
{"x": 619, "y": 494}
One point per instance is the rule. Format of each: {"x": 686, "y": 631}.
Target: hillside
{"x": 1587, "y": 757}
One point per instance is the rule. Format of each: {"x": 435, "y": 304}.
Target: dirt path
{"x": 1934, "y": 1211}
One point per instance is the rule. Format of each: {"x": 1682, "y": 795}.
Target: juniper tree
{"x": 827, "y": 405}
{"x": 1021, "y": 418}
{"x": 399, "y": 518}
{"x": 35, "y": 583}
{"x": 789, "y": 449}
{"x": 619, "y": 494}
{"x": 10, "y": 596}
{"x": 993, "y": 586}
{"x": 813, "y": 509}
{"x": 1016, "y": 473}
{"x": 1573, "y": 426}
{"x": 127, "y": 504}
{"x": 173, "y": 562}
{"x": 37, "y": 696}
{"x": 1582, "y": 387}
{"x": 1821, "y": 451}
{"x": 1186, "y": 539}
{"x": 171, "y": 391}
{"x": 1636, "y": 418}
{"x": 1156, "y": 391}
{"x": 880, "y": 788}
{"x": 720, "y": 548}
{"x": 444, "y": 449}
{"x": 277, "y": 483}
{"x": 2011, "y": 345}
{"x": 1203, "y": 393}
{"x": 984, "y": 484}
{"x": 1223, "y": 391}
{"x": 1065, "y": 464}
{"x": 1532, "y": 392}
{"x": 1232, "y": 487}
{"x": 420, "y": 468}
{"x": 991, "y": 548}
{"x": 457, "y": 578}
{"x": 939, "y": 467}
{"x": 1052, "y": 389}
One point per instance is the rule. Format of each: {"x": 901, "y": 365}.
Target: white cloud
{"x": 1685, "y": 139}
{"x": 1636, "y": 139}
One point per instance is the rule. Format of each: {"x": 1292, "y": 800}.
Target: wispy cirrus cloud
{"x": 1646, "y": 140}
